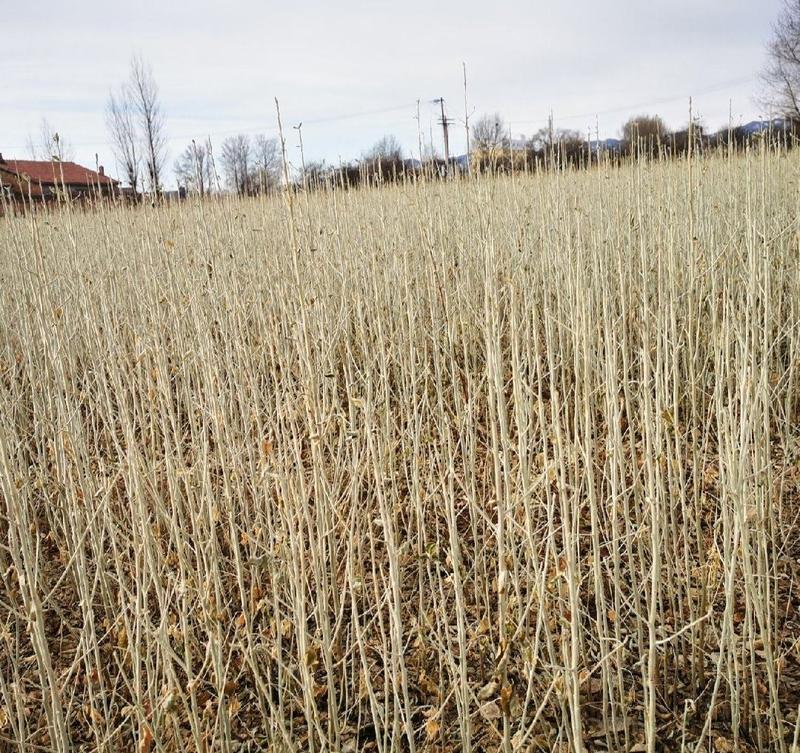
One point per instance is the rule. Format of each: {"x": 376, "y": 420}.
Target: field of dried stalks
{"x": 508, "y": 464}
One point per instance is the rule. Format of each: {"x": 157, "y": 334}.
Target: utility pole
{"x": 299, "y": 129}
{"x": 445, "y": 123}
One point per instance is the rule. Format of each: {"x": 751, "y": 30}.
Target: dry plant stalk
{"x": 500, "y": 464}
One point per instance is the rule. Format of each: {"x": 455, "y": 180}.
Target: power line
{"x": 365, "y": 113}
{"x": 664, "y": 100}
{"x": 410, "y": 105}
{"x": 251, "y": 130}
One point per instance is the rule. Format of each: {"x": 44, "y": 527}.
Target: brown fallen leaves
{"x": 145, "y": 740}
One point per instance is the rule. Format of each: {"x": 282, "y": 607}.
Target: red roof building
{"x": 50, "y": 179}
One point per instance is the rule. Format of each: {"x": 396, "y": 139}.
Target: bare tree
{"x": 644, "y": 133}
{"x": 237, "y": 162}
{"x": 387, "y": 148}
{"x": 136, "y": 122}
{"x": 49, "y": 144}
{"x": 266, "y": 163}
{"x": 556, "y": 146}
{"x": 384, "y": 159}
{"x": 694, "y": 135}
{"x": 194, "y": 170}
{"x": 121, "y": 126}
{"x": 490, "y": 143}
{"x": 643, "y": 127}
{"x": 782, "y": 74}
{"x": 317, "y": 173}
{"x": 144, "y": 96}
{"x": 489, "y": 134}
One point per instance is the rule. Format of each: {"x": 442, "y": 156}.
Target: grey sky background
{"x": 352, "y": 71}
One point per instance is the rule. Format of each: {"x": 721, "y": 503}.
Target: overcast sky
{"x": 353, "y": 71}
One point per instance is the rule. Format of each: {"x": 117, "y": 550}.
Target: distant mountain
{"x": 759, "y": 126}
